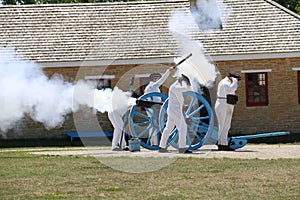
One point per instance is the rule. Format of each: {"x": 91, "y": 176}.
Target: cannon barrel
{"x": 147, "y": 104}
{"x": 273, "y": 134}
{"x": 237, "y": 142}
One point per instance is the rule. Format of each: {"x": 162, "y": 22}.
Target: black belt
{"x": 222, "y": 98}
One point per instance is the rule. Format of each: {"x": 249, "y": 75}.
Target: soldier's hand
{"x": 173, "y": 68}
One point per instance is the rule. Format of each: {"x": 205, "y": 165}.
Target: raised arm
{"x": 163, "y": 78}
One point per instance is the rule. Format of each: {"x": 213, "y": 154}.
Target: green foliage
{"x": 293, "y": 5}
{"x": 297, "y": 8}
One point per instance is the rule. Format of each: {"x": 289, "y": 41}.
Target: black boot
{"x": 117, "y": 149}
{"x": 227, "y": 148}
{"x": 220, "y": 147}
{"x": 125, "y": 149}
{"x": 224, "y": 148}
{"x": 163, "y": 150}
{"x": 184, "y": 150}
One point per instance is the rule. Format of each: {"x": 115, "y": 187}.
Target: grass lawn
{"x": 27, "y": 176}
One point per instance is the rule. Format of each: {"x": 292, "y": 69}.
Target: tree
{"x": 293, "y": 5}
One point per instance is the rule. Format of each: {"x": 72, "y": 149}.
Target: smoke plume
{"x": 197, "y": 67}
{"x": 206, "y": 16}
{"x": 26, "y": 91}
{"x": 209, "y": 14}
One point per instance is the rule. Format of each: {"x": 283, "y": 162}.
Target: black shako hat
{"x": 186, "y": 79}
{"x": 234, "y": 75}
{"x": 154, "y": 76}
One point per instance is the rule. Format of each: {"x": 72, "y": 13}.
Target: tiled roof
{"x": 73, "y": 32}
{"x": 139, "y": 30}
{"x": 254, "y": 27}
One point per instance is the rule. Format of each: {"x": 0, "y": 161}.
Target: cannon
{"x": 146, "y": 123}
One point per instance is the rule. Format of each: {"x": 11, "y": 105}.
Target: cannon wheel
{"x": 144, "y": 122}
{"x": 199, "y": 118}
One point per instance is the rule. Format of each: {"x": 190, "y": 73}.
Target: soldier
{"x": 116, "y": 120}
{"x": 176, "y": 115}
{"x": 156, "y": 80}
{"x": 224, "y": 106}
{"x": 121, "y": 101}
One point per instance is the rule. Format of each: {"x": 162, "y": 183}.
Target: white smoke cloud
{"x": 182, "y": 23}
{"x": 103, "y": 100}
{"x": 207, "y": 15}
{"x": 113, "y": 100}
{"x": 197, "y": 67}
{"x": 210, "y": 14}
{"x": 26, "y": 91}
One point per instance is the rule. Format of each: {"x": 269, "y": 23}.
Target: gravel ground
{"x": 250, "y": 151}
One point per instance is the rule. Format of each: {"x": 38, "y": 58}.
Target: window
{"x": 257, "y": 89}
{"x": 103, "y": 83}
{"x": 299, "y": 87}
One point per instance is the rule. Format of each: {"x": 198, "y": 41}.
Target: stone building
{"x": 110, "y": 42}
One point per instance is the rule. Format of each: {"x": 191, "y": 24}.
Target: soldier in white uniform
{"x": 224, "y": 107}
{"x": 116, "y": 120}
{"x": 120, "y": 105}
{"x": 156, "y": 80}
{"x": 176, "y": 115}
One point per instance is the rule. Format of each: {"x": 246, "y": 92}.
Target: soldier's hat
{"x": 186, "y": 79}
{"x": 154, "y": 76}
{"x": 234, "y": 75}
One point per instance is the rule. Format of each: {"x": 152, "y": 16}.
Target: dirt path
{"x": 250, "y": 151}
